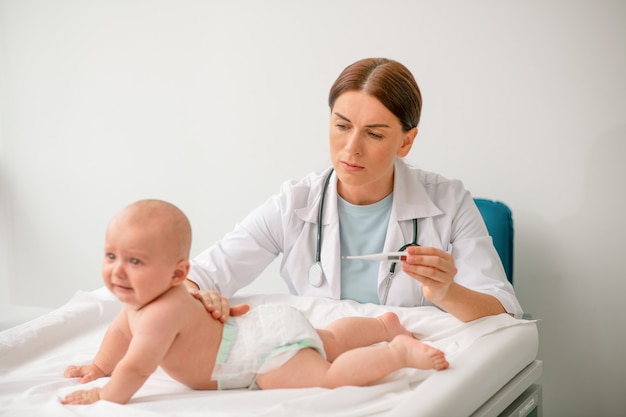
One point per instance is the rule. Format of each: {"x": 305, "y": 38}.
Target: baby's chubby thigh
{"x": 307, "y": 368}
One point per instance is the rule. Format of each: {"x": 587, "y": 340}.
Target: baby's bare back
{"x": 192, "y": 354}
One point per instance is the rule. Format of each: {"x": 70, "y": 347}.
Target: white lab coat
{"x": 287, "y": 224}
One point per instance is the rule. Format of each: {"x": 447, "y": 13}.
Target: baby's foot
{"x": 392, "y": 325}
{"x": 420, "y": 355}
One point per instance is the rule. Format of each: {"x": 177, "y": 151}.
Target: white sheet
{"x": 484, "y": 353}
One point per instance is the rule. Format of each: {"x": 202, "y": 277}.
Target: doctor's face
{"x": 365, "y": 139}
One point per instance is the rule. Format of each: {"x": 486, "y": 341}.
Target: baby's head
{"x": 161, "y": 220}
{"x": 146, "y": 250}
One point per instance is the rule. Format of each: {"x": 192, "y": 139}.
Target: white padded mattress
{"x": 483, "y": 356}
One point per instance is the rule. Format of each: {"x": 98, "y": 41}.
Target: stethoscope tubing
{"x": 320, "y": 215}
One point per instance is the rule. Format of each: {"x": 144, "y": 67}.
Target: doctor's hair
{"x": 388, "y": 81}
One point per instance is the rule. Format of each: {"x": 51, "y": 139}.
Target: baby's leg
{"x": 352, "y": 332}
{"x": 356, "y": 367}
{"x": 365, "y": 365}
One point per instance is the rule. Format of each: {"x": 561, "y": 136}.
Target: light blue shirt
{"x": 362, "y": 231}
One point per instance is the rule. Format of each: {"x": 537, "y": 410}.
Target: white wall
{"x": 212, "y": 104}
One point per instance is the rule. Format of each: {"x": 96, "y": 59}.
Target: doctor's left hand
{"x": 433, "y": 267}
{"x": 218, "y": 306}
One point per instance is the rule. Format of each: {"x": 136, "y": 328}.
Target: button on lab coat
{"x": 287, "y": 223}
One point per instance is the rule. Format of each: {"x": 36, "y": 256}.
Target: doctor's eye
{"x": 340, "y": 126}
{"x": 375, "y": 135}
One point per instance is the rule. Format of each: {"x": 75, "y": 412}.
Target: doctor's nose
{"x": 353, "y": 142}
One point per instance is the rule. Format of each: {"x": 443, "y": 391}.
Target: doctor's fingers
{"x": 431, "y": 267}
{"x": 428, "y": 251}
{"x": 213, "y": 302}
{"x": 428, "y": 257}
{"x": 431, "y": 257}
{"x": 221, "y": 309}
{"x": 239, "y": 310}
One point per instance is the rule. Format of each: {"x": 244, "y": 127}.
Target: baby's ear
{"x": 181, "y": 271}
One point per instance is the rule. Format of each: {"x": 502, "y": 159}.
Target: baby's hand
{"x": 82, "y": 397}
{"x": 86, "y": 373}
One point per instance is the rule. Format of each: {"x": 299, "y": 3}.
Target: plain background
{"x": 213, "y": 104}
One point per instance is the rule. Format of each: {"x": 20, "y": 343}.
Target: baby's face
{"x": 138, "y": 263}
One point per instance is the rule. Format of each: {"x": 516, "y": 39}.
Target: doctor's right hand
{"x": 217, "y": 305}
{"x": 433, "y": 268}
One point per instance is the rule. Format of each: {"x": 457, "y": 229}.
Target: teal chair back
{"x": 499, "y": 221}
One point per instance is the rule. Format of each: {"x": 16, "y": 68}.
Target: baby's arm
{"x": 114, "y": 345}
{"x": 154, "y": 330}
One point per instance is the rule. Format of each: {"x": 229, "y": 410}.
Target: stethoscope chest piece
{"x": 316, "y": 275}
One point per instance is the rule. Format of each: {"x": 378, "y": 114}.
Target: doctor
{"x": 370, "y": 201}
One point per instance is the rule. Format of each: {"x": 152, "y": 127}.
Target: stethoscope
{"x": 316, "y": 273}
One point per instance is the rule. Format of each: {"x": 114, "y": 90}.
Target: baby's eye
{"x": 135, "y": 261}
{"x": 110, "y": 256}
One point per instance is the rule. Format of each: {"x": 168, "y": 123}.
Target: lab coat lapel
{"x": 410, "y": 198}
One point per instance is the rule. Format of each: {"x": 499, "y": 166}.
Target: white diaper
{"x": 260, "y": 341}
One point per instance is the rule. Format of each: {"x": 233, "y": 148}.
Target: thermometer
{"x": 389, "y": 256}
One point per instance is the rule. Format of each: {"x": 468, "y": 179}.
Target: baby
{"x": 146, "y": 260}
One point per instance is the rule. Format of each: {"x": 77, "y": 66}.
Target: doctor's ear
{"x": 407, "y": 142}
